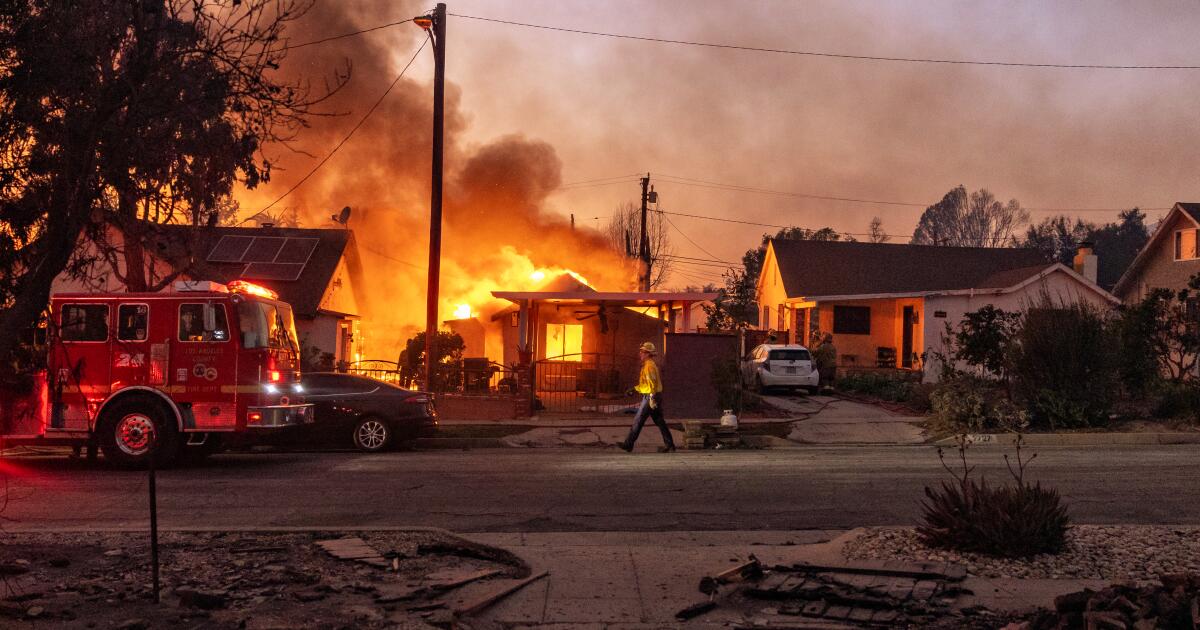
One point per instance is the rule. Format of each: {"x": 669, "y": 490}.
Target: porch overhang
{"x": 634, "y": 298}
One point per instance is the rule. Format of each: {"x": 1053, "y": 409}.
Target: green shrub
{"x": 1178, "y": 401}
{"x": 1014, "y": 520}
{"x": 885, "y": 386}
{"x": 1065, "y": 364}
{"x": 967, "y": 404}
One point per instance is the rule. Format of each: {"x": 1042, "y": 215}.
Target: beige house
{"x": 1169, "y": 259}
{"x": 887, "y": 306}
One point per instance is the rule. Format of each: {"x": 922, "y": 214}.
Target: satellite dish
{"x": 342, "y": 217}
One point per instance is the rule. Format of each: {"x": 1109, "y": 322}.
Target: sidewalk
{"x": 640, "y": 580}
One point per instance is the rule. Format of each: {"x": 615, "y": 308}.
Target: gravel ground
{"x": 255, "y": 581}
{"x": 1119, "y": 553}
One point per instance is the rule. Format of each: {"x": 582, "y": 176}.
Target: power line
{"x": 392, "y": 258}
{"x": 831, "y": 55}
{"x": 348, "y": 135}
{"x": 345, "y": 35}
{"x": 689, "y": 239}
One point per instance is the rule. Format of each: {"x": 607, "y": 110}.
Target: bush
{"x": 1178, "y": 400}
{"x": 1066, "y": 364}
{"x": 884, "y": 386}
{"x": 1014, "y": 520}
{"x": 967, "y": 404}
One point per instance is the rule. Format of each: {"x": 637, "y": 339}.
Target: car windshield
{"x": 790, "y": 355}
{"x": 267, "y": 325}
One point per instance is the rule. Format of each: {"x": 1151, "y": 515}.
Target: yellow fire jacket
{"x": 649, "y": 380}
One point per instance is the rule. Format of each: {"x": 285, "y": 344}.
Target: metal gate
{"x": 584, "y": 383}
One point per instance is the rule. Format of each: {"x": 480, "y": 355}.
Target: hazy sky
{"x": 1052, "y": 138}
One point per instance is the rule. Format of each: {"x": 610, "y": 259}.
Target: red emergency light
{"x": 249, "y": 288}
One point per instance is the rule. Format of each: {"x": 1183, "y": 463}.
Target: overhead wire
{"x": 835, "y": 55}
{"x": 345, "y": 35}
{"x": 349, "y": 135}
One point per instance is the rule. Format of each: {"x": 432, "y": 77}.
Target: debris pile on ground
{"x": 1140, "y": 553}
{"x": 251, "y": 580}
{"x": 864, "y": 594}
{"x": 1173, "y": 603}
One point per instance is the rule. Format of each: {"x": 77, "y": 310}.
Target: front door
{"x": 906, "y": 343}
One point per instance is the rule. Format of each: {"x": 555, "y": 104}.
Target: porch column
{"x": 687, "y": 317}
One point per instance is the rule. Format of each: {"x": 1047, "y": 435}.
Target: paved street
{"x": 533, "y": 490}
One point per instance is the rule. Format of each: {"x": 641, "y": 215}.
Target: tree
{"x": 1057, "y": 238}
{"x": 625, "y": 227}
{"x": 1116, "y": 244}
{"x": 738, "y": 303}
{"x": 1166, "y": 325}
{"x": 977, "y": 219}
{"x": 136, "y": 112}
{"x": 875, "y": 233}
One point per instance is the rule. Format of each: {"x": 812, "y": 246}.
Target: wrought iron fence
{"x": 467, "y": 376}
{"x": 584, "y": 383}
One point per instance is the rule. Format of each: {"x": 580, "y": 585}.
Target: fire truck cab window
{"x": 84, "y": 322}
{"x": 191, "y": 323}
{"x": 266, "y": 325}
{"x": 131, "y": 322}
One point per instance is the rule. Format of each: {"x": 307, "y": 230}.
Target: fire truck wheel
{"x": 129, "y": 428}
{"x": 371, "y": 434}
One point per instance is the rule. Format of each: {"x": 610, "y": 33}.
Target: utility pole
{"x": 644, "y": 241}
{"x": 435, "y": 202}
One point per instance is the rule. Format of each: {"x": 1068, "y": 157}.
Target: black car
{"x": 369, "y": 414}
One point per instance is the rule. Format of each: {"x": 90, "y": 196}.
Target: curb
{"x": 461, "y": 443}
{"x": 1076, "y": 439}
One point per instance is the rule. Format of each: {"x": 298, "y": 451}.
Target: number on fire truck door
{"x": 130, "y": 353}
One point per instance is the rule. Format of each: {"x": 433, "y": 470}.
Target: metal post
{"x": 644, "y": 241}
{"x": 151, "y": 456}
{"x": 435, "y": 202}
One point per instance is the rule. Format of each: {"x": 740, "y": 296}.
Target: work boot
{"x": 628, "y": 448}
{"x": 666, "y": 449}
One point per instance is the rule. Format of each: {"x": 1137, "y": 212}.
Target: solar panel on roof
{"x": 264, "y": 249}
{"x": 288, "y": 272}
{"x": 230, "y": 249}
{"x": 296, "y": 250}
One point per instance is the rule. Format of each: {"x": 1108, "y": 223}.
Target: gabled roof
{"x": 836, "y": 268}
{"x": 183, "y": 242}
{"x": 1187, "y": 209}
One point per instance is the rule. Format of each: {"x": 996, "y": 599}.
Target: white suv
{"x": 779, "y": 365}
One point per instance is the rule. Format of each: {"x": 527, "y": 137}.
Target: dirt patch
{"x": 238, "y": 580}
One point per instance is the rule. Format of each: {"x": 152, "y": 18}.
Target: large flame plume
{"x": 498, "y": 233}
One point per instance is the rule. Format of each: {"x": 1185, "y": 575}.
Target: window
{"x": 1185, "y": 245}
{"x": 564, "y": 342}
{"x": 781, "y": 318}
{"x": 852, "y": 320}
{"x": 132, "y": 320}
{"x": 766, "y": 318}
{"x": 266, "y": 325}
{"x": 191, "y": 323}
{"x": 790, "y": 355}
{"x": 84, "y": 322}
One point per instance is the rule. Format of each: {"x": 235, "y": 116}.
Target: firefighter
{"x": 650, "y": 387}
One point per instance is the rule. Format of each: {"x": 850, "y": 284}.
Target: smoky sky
{"x": 581, "y": 107}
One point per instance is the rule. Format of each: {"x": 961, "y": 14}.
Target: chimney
{"x": 1085, "y": 261}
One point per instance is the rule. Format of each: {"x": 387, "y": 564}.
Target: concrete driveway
{"x": 836, "y": 421}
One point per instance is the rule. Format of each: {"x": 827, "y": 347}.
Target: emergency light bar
{"x": 249, "y": 288}
{"x": 186, "y": 286}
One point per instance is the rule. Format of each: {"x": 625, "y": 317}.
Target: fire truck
{"x": 171, "y": 373}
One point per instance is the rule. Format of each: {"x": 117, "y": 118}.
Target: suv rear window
{"x": 790, "y": 355}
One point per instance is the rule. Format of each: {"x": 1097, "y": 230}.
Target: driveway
{"x": 836, "y": 421}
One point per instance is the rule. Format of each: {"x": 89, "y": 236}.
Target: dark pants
{"x": 644, "y": 411}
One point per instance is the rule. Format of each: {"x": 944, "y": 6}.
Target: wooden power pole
{"x": 644, "y": 241}
{"x": 435, "y": 202}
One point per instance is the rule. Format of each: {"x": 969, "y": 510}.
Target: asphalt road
{"x": 536, "y": 490}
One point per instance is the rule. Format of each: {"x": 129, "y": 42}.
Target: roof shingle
{"x": 828, "y": 268}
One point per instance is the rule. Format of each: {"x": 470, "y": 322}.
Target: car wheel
{"x": 131, "y": 427}
{"x": 371, "y": 434}
{"x": 812, "y": 390}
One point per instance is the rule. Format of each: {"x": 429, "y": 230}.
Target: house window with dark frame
{"x": 1185, "y": 244}
{"x": 851, "y": 320}
{"x": 766, "y": 318}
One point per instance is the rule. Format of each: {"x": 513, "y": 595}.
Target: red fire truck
{"x": 177, "y": 371}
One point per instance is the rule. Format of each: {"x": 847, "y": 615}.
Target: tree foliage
{"x": 1116, "y": 243}
{"x": 977, "y": 219}
{"x": 737, "y": 306}
{"x": 118, "y": 113}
